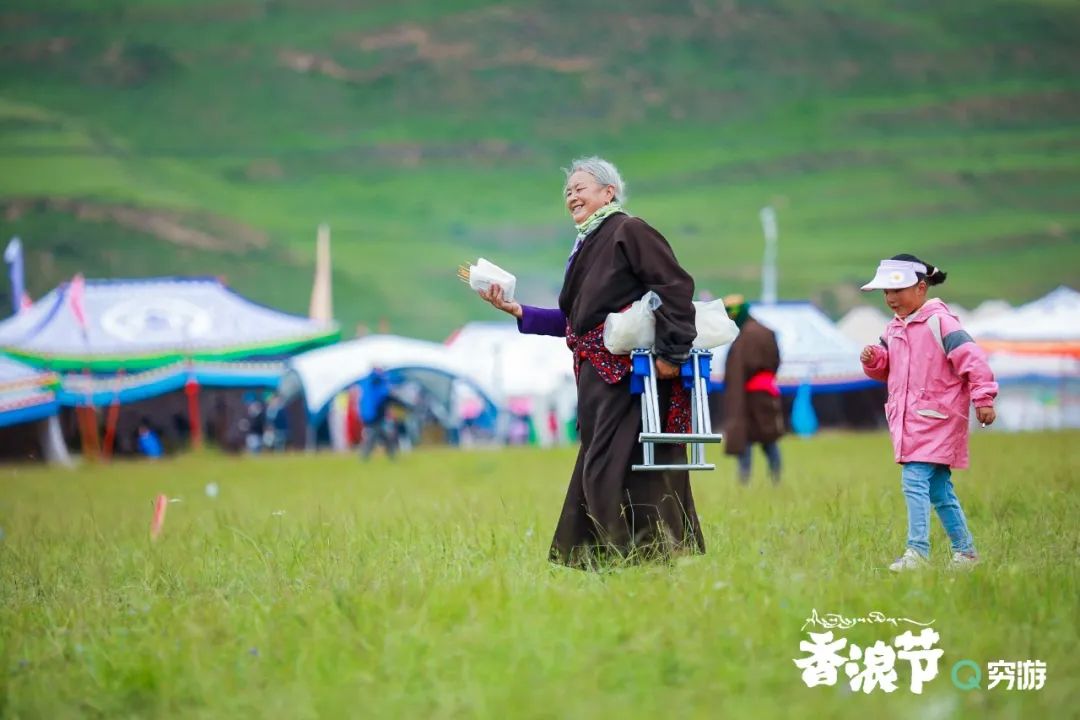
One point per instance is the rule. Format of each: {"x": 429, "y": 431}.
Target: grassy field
{"x": 427, "y": 133}
{"x": 317, "y": 586}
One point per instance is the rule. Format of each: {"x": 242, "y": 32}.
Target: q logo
{"x": 972, "y": 680}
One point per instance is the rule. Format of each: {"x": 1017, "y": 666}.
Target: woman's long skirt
{"x": 610, "y": 511}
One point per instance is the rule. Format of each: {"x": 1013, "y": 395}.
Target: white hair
{"x": 604, "y": 172}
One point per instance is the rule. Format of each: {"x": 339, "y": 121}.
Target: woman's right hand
{"x": 867, "y": 355}
{"x": 494, "y": 295}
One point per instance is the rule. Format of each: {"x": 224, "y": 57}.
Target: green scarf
{"x": 592, "y": 222}
{"x": 739, "y": 313}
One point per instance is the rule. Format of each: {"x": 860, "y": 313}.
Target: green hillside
{"x": 183, "y": 136}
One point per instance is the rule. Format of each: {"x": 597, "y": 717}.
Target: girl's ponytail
{"x": 934, "y": 275}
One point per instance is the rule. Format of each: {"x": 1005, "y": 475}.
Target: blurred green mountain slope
{"x": 169, "y": 137}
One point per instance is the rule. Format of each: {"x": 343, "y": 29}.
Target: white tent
{"x": 962, "y": 314}
{"x": 1034, "y": 351}
{"x": 989, "y": 309}
{"x": 863, "y": 325}
{"x": 1036, "y": 392}
{"x": 1054, "y": 317}
{"x": 511, "y": 364}
{"x": 325, "y": 372}
{"x": 811, "y": 347}
{"x": 530, "y": 374}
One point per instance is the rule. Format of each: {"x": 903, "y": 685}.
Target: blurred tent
{"x": 962, "y": 314}
{"x": 863, "y": 325}
{"x": 510, "y": 363}
{"x": 99, "y": 391}
{"x": 26, "y": 393}
{"x": 813, "y": 350}
{"x": 166, "y": 398}
{"x": 28, "y": 408}
{"x": 1047, "y": 326}
{"x": 988, "y": 309}
{"x": 130, "y": 325}
{"x": 321, "y": 375}
{"x": 1034, "y": 351}
{"x": 1036, "y": 392}
{"x": 157, "y": 350}
{"x": 529, "y": 375}
{"x": 811, "y": 347}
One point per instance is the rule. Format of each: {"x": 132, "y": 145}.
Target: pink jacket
{"x": 931, "y": 384}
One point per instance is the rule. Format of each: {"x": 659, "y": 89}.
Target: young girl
{"x": 934, "y": 370}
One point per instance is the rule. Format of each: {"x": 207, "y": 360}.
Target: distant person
{"x": 149, "y": 443}
{"x": 276, "y": 432}
{"x": 518, "y": 432}
{"x": 753, "y": 412}
{"x": 399, "y": 415}
{"x": 379, "y": 427}
{"x": 553, "y": 426}
{"x": 354, "y": 425}
{"x": 611, "y": 511}
{"x": 253, "y": 424}
{"x": 925, "y": 347}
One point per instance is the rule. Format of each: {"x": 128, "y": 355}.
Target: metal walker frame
{"x": 694, "y": 374}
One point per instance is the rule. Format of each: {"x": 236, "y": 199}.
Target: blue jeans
{"x": 772, "y": 454}
{"x": 927, "y": 484}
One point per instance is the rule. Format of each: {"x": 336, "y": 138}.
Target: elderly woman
{"x": 610, "y": 511}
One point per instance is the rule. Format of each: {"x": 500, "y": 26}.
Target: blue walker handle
{"x": 639, "y": 372}
{"x": 641, "y": 368}
{"x": 686, "y": 372}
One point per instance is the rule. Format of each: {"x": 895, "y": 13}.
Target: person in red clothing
{"x": 752, "y": 409}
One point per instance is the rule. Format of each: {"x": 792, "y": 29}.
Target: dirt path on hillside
{"x": 187, "y": 229}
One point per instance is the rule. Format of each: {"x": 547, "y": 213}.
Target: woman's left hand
{"x": 985, "y": 415}
{"x": 494, "y": 295}
{"x": 665, "y": 370}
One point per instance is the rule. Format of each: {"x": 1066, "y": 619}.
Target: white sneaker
{"x": 910, "y": 560}
{"x": 964, "y": 560}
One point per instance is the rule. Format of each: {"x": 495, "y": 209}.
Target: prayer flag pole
{"x": 768, "y": 270}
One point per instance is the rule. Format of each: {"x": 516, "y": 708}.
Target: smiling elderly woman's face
{"x": 585, "y": 195}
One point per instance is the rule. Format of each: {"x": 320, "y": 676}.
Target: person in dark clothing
{"x": 374, "y": 406}
{"x": 752, "y": 409}
{"x": 611, "y": 512}
{"x": 254, "y": 422}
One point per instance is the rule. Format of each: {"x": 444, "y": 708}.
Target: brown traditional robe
{"x": 609, "y": 509}
{"x": 750, "y": 417}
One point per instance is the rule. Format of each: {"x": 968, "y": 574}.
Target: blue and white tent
{"x": 26, "y": 394}
{"x": 812, "y": 349}
{"x": 137, "y": 325}
{"x": 321, "y": 374}
{"x": 78, "y": 390}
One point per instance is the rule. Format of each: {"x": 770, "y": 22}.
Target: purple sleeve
{"x": 542, "y": 321}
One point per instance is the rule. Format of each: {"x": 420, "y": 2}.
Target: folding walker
{"x": 694, "y": 374}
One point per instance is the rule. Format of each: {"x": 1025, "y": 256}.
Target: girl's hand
{"x": 985, "y": 415}
{"x": 665, "y": 370}
{"x": 494, "y": 295}
{"x": 867, "y": 355}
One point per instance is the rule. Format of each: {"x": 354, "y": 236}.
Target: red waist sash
{"x": 613, "y": 368}
{"x": 764, "y": 381}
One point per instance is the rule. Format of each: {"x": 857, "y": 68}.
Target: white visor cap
{"x": 895, "y": 275}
